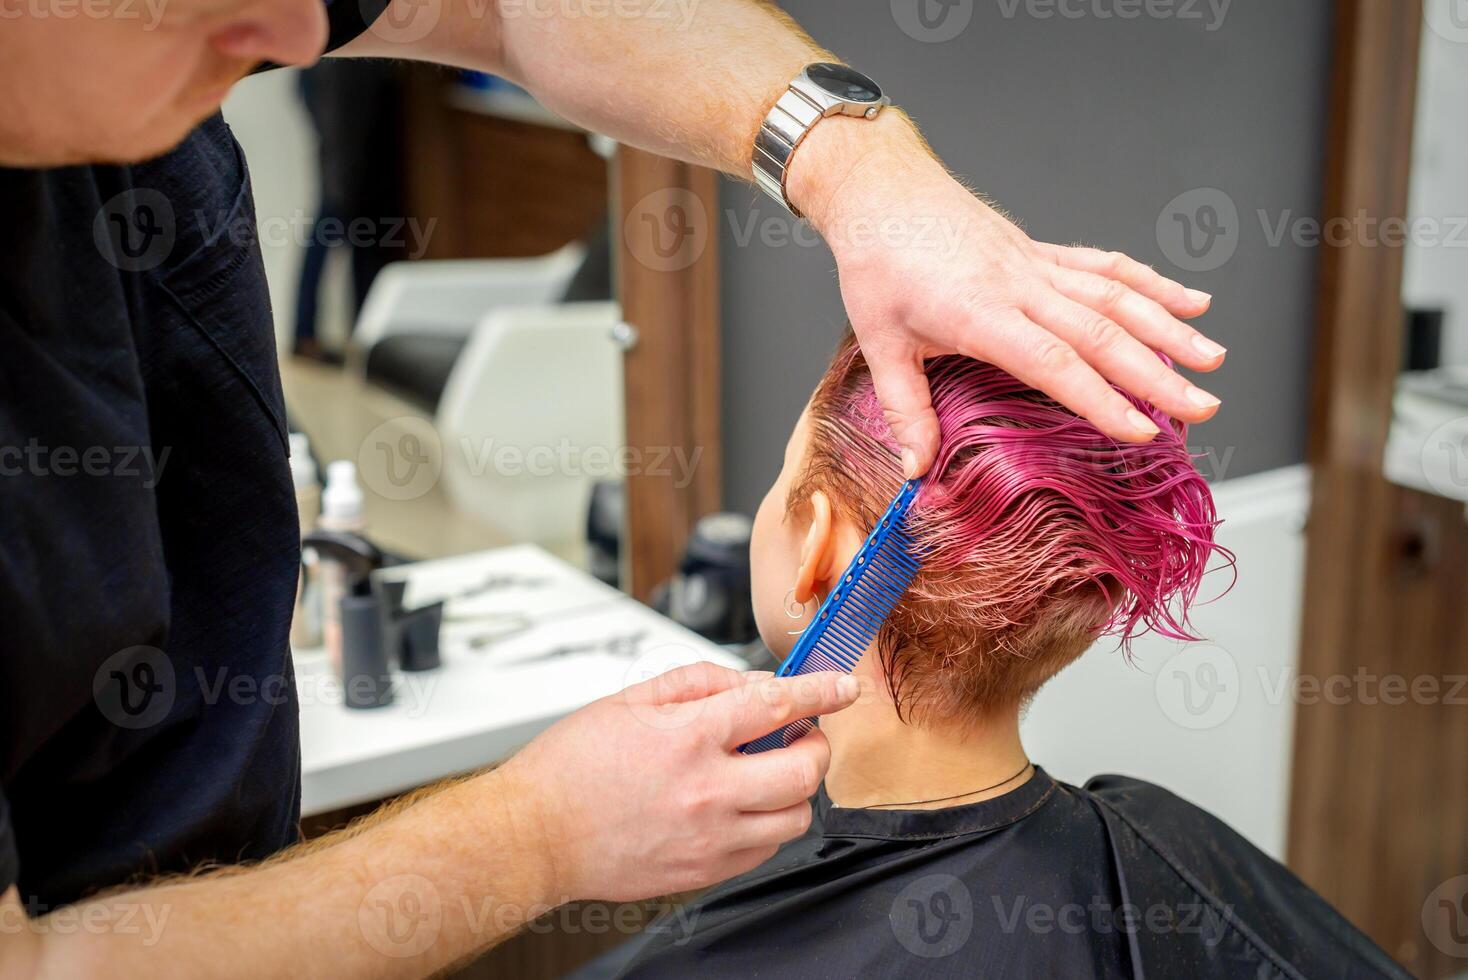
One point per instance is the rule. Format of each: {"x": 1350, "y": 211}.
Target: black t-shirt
{"x": 1119, "y": 879}
{"x": 148, "y": 541}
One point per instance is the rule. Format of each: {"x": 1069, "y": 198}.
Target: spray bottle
{"x": 341, "y": 510}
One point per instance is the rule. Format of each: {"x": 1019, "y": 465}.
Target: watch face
{"x": 844, "y": 83}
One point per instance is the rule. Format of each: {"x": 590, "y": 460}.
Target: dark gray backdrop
{"x": 1086, "y": 126}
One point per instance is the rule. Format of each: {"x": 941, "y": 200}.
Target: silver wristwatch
{"x": 819, "y": 91}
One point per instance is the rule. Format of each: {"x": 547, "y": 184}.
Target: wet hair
{"x": 1037, "y": 533}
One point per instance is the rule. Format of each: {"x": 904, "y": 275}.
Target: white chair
{"x": 532, "y": 417}
{"x": 450, "y": 297}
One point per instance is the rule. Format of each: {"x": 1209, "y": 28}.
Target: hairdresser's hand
{"x": 928, "y": 269}
{"x": 644, "y": 793}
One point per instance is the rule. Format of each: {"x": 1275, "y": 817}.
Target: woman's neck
{"x": 876, "y": 759}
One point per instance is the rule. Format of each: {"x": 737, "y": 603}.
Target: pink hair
{"x": 1037, "y": 532}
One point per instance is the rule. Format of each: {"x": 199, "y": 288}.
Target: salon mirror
{"x": 439, "y": 261}
{"x": 1427, "y": 448}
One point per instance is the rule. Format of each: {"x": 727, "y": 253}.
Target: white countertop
{"x": 485, "y": 702}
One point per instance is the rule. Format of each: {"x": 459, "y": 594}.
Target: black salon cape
{"x": 1119, "y": 879}
{"x": 149, "y": 549}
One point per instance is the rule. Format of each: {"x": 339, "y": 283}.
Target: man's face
{"x": 125, "y": 80}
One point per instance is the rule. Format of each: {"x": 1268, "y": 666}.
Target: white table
{"x": 485, "y": 702}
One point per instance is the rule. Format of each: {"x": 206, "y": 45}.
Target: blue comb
{"x": 849, "y": 619}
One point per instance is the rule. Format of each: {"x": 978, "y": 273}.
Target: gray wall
{"x": 1086, "y": 128}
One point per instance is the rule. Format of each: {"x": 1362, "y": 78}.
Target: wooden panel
{"x": 496, "y": 187}
{"x": 1379, "y": 810}
{"x": 668, "y": 284}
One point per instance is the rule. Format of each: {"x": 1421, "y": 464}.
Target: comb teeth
{"x": 853, "y": 614}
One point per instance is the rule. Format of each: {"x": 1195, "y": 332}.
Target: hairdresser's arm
{"x": 638, "y": 795}
{"x": 926, "y": 267}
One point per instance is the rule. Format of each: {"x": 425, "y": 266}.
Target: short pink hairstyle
{"x": 1037, "y": 533}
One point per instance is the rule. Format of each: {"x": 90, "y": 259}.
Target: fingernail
{"x": 1202, "y": 398}
{"x": 1198, "y": 296}
{"x": 909, "y": 464}
{"x": 1141, "y": 423}
{"x": 848, "y": 688}
{"x": 1207, "y": 347}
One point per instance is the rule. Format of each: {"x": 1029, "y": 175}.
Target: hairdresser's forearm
{"x": 438, "y": 881}
{"x": 689, "y": 80}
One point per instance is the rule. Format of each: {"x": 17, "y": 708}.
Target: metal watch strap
{"x": 789, "y": 122}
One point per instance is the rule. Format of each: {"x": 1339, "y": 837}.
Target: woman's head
{"x": 1037, "y": 534}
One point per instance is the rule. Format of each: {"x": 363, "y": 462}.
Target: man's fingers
{"x": 758, "y": 709}
{"x": 700, "y": 680}
{"x": 902, "y": 388}
{"x": 781, "y": 778}
{"x": 1141, "y": 316}
{"x": 773, "y": 827}
{"x": 1121, "y": 358}
{"x": 1042, "y": 360}
{"x": 1174, "y": 296}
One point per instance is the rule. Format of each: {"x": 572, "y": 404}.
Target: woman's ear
{"x": 818, "y": 552}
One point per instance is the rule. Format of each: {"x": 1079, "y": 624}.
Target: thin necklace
{"x": 955, "y": 796}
